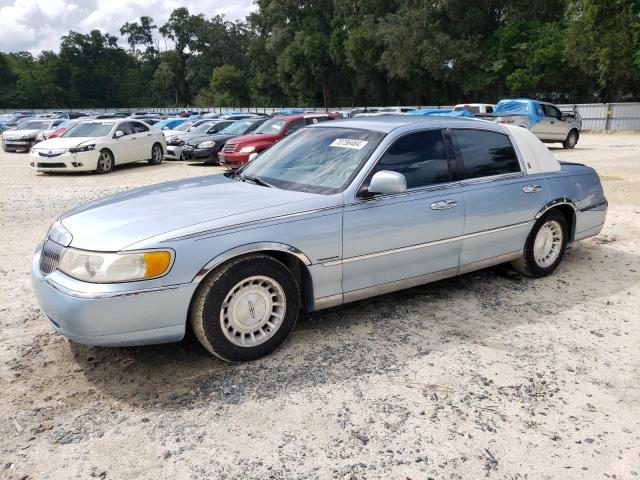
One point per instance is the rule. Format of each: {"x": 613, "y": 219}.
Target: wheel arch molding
{"x": 567, "y": 207}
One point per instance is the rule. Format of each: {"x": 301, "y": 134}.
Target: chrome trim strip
{"x": 489, "y": 262}
{"x": 249, "y": 248}
{"x": 363, "y": 293}
{"x": 421, "y": 245}
{"x": 99, "y": 295}
{"x": 368, "y": 292}
{"x": 327, "y": 302}
{"x": 213, "y": 231}
{"x": 555, "y": 203}
{"x": 596, "y": 206}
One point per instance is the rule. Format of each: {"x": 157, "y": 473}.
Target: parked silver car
{"x": 544, "y": 119}
{"x": 336, "y": 212}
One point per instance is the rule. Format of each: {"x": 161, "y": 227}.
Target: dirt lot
{"x": 486, "y": 375}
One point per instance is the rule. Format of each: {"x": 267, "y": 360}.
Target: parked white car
{"x": 24, "y": 136}
{"x": 98, "y": 146}
{"x": 475, "y": 108}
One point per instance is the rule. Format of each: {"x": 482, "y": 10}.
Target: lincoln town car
{"x": 336, "y": 212}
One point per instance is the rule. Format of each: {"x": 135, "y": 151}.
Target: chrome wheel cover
{"x": 548, "y": 244}
{"x": 573, "y": 139}
{"x": 105, "y": 162}
{"x": 253, "y": 311}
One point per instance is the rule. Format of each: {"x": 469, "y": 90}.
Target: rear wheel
{"x": 156, "y": 154}
{"x": 246, "y": 308}
{"x": 105, "y": 162}
{"x": 571, "y": 140}
{"x": 545, "y": 246}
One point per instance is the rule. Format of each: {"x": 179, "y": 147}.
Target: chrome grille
{"x": 229, "y": 148}
{"x": 50, "y": 256}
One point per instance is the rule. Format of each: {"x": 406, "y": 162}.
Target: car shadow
{"x": 368, "y": 337}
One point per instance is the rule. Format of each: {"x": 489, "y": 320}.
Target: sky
{"x": 36, "y": 25}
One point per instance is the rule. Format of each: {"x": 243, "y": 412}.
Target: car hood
{"x": 199, "y": 138}
{"x": 256, "y": 137}
{"x": 178, "y": 208}
{"x": 63, "y": 142}
{"x": 20, "y": 133}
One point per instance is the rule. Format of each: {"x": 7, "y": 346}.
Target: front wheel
{"x": 105, "y": 162}
{"x": 545, "y": 246}
{"x": 571, "y": 140}
{"x": 156, "y": 154}
{"x": 246, "y": 308}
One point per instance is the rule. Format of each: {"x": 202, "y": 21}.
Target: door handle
{"x": 531, "y": 188}
{"x": 444, "y": 205}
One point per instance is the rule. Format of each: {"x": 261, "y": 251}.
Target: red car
{"x": 240, "y": 150}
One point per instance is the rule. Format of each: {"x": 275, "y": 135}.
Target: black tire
{"x": 211, "y": 322}
{"x": 572, "y": 139}
{"x": 106, "y": 162}
{"x": 157, "y": 154}
{"x": 527, "y": 263}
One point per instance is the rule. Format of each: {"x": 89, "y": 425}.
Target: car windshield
{"x": 183, "y": 127}
{"x": 36, "y": 125}
{"x": 203, "y": 127}
{"x": 315, "y": 160}
{"x": 239, "y": 127}
{"x": 273, "y": 125}
{"x": 89, "y": 130}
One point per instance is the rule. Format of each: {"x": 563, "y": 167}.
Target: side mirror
{"x": 386, "y": 182}
{"x": 118, "y": 134}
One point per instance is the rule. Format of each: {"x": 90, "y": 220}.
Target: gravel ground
{"x": 485, "y": 375}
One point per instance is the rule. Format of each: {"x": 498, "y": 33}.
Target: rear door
{"x": 500, "y": 200}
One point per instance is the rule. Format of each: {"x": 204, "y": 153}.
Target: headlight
{"x": 99, "y": 267}
{"x": 207, "y": 144}
{"x": 83, "y": 148}
{"x": 247, "y": 149}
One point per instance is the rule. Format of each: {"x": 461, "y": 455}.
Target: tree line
{"x": 341, "y": 53}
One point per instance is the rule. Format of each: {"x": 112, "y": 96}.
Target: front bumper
{"x": 18, "y": 144}
{"x": 200, "y": 154}
{"x": 42, "y": 161}
{"x": 233, "y": 160}
{"x": 128, "y": 316}
{"x": 175, "y": 151}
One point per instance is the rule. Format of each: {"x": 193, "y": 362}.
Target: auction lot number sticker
{"x": 349, "y": 143}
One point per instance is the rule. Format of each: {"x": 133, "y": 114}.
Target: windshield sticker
{"x": 349, "y": 143}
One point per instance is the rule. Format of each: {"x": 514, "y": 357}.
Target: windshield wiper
{"x": 256, "y": 180}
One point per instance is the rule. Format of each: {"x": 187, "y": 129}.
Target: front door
{"x": 410, "y": 236}
{"x": 552, "y": 126}
{"x": 123, "y": 147}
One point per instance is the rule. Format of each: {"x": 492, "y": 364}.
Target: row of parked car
{"x": 99, "y": 142}
{"x": 545, "y": 120}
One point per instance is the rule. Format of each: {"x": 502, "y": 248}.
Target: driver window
{"x": 125, "y": 127}
{"x": 551, "y": 111}
{"x": 421, "y": 157}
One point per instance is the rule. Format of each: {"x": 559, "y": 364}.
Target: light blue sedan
{"x": 337, "y": 212}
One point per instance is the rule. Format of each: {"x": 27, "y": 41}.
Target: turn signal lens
{"x": 157, "y": 263}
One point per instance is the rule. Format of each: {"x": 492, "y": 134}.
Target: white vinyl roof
{"x": 536, "y": 156}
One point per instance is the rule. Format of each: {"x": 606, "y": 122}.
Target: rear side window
{"x": 486, "y": 153}
{"x": 421, "y": 157}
